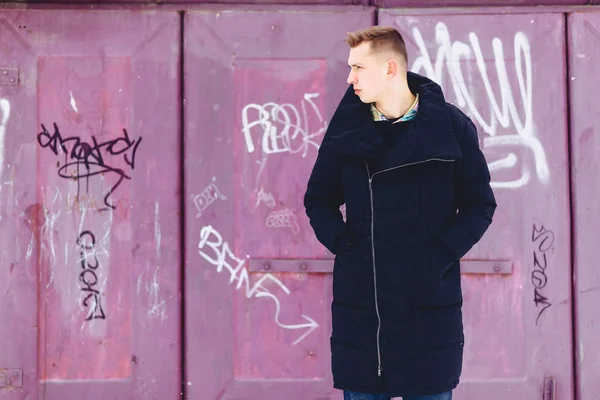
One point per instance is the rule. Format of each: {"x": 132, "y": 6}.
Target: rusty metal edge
{"x": 457, "y": 10}
{"x": 301, "y": 5}
{"x": 152, "y": 5}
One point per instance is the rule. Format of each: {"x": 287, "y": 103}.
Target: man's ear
{"x": 392, "y": 67}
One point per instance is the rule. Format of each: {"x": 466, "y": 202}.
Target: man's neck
{"x": 397, "y": 102}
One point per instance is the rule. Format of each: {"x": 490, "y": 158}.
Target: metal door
{"x": 89, "y": 284}
{"x": 260, "y": 87}
{"x": 476, "y": 6}
{"x": 584, "y": 56}
{"x": 507, "y": 73}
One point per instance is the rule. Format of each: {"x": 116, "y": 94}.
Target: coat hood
{"x": 352, "y": 131}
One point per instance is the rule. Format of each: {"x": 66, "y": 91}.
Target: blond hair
{"x": 382, "y": 38}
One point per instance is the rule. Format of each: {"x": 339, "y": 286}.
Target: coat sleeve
{"x": 474, "y": 197}
{"x": 322, "y": 200}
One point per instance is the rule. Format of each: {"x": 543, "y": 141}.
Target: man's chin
{"x": 363, "y": 99}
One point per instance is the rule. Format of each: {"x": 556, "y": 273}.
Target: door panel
{"x": 260, "y": 87}
{"x": 584, "y": 55}
{"x": 506, "y": 72}
{"x": 90, "y": 304}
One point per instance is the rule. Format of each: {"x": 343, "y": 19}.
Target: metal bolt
{"x": 303, "y": 266}
{"x": 311, "y": 353}
{"x": 1, "y": 375}
{"x": 267, "y": 266}
{"x": 5, "y": 72}
{"x": 12, "y": 80}
{"x": 496, "y": 267}
{"x": 8, "y": 382}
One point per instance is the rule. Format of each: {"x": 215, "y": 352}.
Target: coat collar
{"x": 352, "y": 131}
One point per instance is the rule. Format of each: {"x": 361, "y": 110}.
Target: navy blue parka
{"x": 412, "y": 211}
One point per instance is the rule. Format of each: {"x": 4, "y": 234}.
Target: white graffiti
{"x": 73, "y": 102}
{"x": 156, "y": 306}
{"x": 223, "y": 258}
{"x": 157, "y": 232}
{"x": 4, "y": 116}
{"x": 30, "y": 247}
{"x": 48, "y": 230}
{"x": 281, "y": 127}
{"x": 264, "y": 197}
{"x": 207, "y": 197}
{"x": 86, "y": 253}
{"x": 503, "y": 113}
{"x": 285, "y": 218}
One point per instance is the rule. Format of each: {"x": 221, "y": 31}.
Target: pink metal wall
{"x": 476, "y": 3}
{"x": 259, "y": 89}
{"x": 584, "y": 56}
{"x": 89, "y": 143}
{"x": 192, "y": 2}
{"x": 90, "y": 206}
{"x": 379, "y": 3}
{"x": 517, "y": 325}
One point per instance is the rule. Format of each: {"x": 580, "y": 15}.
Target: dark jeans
{"x": 364, "y": 396}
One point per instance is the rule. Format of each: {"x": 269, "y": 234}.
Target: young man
{"x": 418, "y": 197}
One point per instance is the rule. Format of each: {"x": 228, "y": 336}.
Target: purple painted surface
{"x": 476, "y": 3}
{"x": 507, "y": 73}
{"x": 201, "y": 2}
{"x": 260, "y": 89}
{"x": 90, "y": 286}
{"x": 498, "y": 10}
{"x": 254, "y": 333}
{"x": 584, "y": 56}
{"x": 277, "y": 2}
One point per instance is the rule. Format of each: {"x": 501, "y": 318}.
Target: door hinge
{"x": 11, "y": 378}
{"x": 9, "y": 76}
{"x": 549, "y": 386}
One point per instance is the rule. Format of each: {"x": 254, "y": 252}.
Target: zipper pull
{"x": 379, "y": 370}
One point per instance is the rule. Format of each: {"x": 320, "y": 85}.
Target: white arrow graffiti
{"x": 224, "y": 258}
{"x": 311, "y": 325}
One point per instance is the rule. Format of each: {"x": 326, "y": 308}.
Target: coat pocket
{"x": 351, "y": 274}
{"x": 436, "y": 199}
{"x": 435, "y": 264}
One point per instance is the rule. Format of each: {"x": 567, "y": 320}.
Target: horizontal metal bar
{"x": 495, "y": 267}
{"x": 485, "y": 267}
{"x": 290, "y": 265}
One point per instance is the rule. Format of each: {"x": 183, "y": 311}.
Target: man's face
{"x": 368, "y": 73}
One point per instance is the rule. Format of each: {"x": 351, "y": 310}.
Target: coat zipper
{"x": 379, "y": 369}
{"x": 379, "y": 366}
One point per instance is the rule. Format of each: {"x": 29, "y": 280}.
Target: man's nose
{"x": 351, "y": 78}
